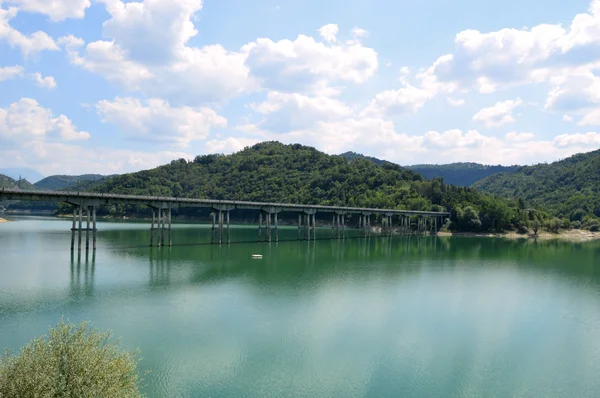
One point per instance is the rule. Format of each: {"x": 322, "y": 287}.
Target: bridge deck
{"x": 172, "y": 202}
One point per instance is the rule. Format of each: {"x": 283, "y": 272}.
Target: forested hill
{"x": 570, "y": 187}
{"x": 353, "y": 156}
{"x": 461, "y": 174}
{"x": 10, "y": 183}
{"x": 271, "y": 171}
{"x": 58, "y": 182}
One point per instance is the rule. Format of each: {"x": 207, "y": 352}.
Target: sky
{"x": 112, "y": 86}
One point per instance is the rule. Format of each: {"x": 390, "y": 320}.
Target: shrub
{"x": 73, "y": 361}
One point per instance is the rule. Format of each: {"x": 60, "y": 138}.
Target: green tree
{"x": 72, "y": 361}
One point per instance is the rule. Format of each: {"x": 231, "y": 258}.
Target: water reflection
{"x": 82, "y": 275}
{"x": 160, "y": 268}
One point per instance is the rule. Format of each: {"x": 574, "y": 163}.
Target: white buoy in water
{"x": 257, "y": 256}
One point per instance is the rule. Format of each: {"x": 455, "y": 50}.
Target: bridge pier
{"x": 299, "y": 226}
{"x": 87, "y": 229}
{"x": 73, "y": 228}
{"x": 94, "y": 226}
{"x": 276, "y": 228}
{"x": 260, "y": 222}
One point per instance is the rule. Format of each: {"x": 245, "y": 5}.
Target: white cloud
{"x": 407, "y": 99}
{"x": 151, "y": 32}
{"x": 329, "y": 32}
{"x": 10, "y": 72}
{"x": 229, "y": 145}
{"x": 44, "y": 82}
{"x": 27, "y": 121}
{"x": 454, "y": 138}
{"x": 285, "y": 112}
{"x": 29, "y": 45}
{"x": 405, "y": 70}
{"x": 499, "y": 114}
{"x": 567, "y": 118}
{"x": 519, "y": 137}
{"x": 57, "y": 10}
{"x": 157, "y": 121}
{"x": 359, "y": 33}
{"x": 580, "y": 140}
{"x": 307, "y": 66}
{"x": 456, "y": 102}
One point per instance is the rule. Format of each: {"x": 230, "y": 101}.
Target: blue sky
{"x": 111, "y": 86}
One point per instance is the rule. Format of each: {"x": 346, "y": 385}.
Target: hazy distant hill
{"x": 570, "y": 187}
{"x": 58, "y": 182}
{"x": 461, "y": 174}
{"x": 22, "y": 172}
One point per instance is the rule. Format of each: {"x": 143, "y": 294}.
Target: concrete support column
{"x": 87, "y": 228}
{"x": 260, "y": 217}
{"x": 314, "y": 226}
{"x": 80, "y": 228}
{"x": 339, "y": 227}
{"x": 268, "y": 227}
{"x": 220, "y": 227}
{"x": 73, "y": 228}
{"x": 343, "y": 227}
{"x": 212, "y": 230}
{"x": 276, "y": 228}
{"x": 161, "y": 232}
{"x": 299, "y": 226}
{"x": 94, "y": 225}
{"x": 170, "y": 239}
{"x": 152, "y": 227}
{"x": 228, "y": 230}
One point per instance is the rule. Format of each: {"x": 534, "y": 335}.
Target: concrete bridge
{"x": 408, "y": 221}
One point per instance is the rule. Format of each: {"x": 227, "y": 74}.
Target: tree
{"x": 535, "y": 225}
{"x": 73, "y": 361}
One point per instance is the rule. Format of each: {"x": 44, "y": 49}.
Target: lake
{"x": 379, "y": 317}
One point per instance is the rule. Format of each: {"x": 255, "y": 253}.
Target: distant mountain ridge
{"x": 58, "y": 182}
{"x": 460, "y": 174}
{"x": 10, "y": 183}
{"x": 22, "y": 172}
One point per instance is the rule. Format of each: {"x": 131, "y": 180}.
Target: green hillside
{"x": 271, "y": 171}
{"x": 570, "y": 188}
{"x": 58, "y": 182}
{"x": 461, "y": 174}
{"x": 10, "y": 183}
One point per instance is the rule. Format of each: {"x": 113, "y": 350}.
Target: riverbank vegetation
{"x": 72, "y": 361}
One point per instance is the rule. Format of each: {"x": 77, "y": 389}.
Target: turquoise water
{"x": 414, "y": 317}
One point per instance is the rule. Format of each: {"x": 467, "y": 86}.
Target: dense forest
{"x": 271, "y": 171}
{"x": 569, "y": 188}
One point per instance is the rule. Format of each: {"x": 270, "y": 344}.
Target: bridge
{"x": 408, "y": 221}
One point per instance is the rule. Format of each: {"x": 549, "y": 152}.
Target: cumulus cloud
{"x": 285, "y": 112}
{"x": 499, "y": 114}
{"x": 27, "y": 121}
{"x": 307, "y": 66}
{"x": 329, "y": 32}
{"x": 567, "y": 118}
{"x": 582, "y": 140}
{"x": 229, "y": 145}
{"x": 151, "y": 31}
{"x": 390, "y": 103}
{"x": 57, "y": 10}
{"x": 157, "y": 121}
{"x": 10, "y": 72}
{"x": 44, "y": 82}
{"x": 519, "y": 137}
{"x": 28, "y": 44}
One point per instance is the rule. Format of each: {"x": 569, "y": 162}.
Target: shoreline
{"x": 3, "y": 220}
{"x": 574, "y": 235}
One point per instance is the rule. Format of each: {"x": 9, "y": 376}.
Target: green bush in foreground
{"x": 73, "y": 361}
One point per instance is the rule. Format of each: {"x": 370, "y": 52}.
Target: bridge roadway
{"x": 409, "y": 221}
